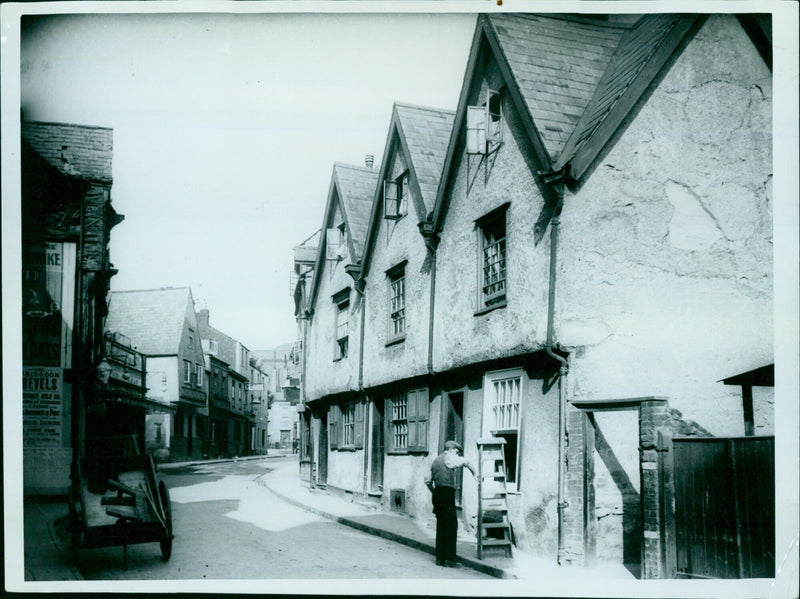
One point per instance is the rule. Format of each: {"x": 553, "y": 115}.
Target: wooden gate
{"x": 718, "y": 501}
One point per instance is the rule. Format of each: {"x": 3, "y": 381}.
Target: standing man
{"x": 442, "y": 483}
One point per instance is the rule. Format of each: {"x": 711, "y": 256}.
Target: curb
{"x": 388, "y": 535}
{"x": 64, "y": 552}
{"x": 175, "y": 465}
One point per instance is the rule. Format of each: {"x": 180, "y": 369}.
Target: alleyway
{"x": 227, "y": 526}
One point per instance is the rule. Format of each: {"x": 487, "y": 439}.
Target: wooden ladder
{"x": 494, "y": 529}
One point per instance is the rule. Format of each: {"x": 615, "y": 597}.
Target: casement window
{"x": 407, "y": 421}
{"x": 213, "y": 347}
{"x": 502, "y": 410}
{"x": 397, "y": 302}
{"x": 335, "y": 242}
{"x": 395, "y": 197}
{"x": 187, "y": 371}
{"x": 191, "y": 341}
{"x": 199, "y": 374}
{"x": 346, "y": 425}
{"x": 341, "y": 303}
{"x": 492, "y": 259}
{"x": 484, "y": 124}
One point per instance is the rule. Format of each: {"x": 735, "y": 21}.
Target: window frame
{"x": 187, "y": 372}
{"x": 489, "y": 428}
{"x": 485, "y": 227}
{"x": 415, "y": 417}
{"x": 396, "y": 193}
{"x": 396, "y": 275}
{"x": 199, "y": 374}
{"x": 341, "y": 343}
{"x": 348, "y": 416}
{"x": 484, "y": 123}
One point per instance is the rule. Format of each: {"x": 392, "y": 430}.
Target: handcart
{"x": 116, "y": 498}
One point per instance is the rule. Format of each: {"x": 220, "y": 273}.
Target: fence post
{"x": 666, "y": 475}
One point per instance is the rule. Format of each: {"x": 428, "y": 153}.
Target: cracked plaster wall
{"x": 665, "y": 260}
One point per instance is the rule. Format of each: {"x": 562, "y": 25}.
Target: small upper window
{"x": 397, "y": 302}
{"x": 492, "y": 240}
{"x": 335, "y": 246}
{"x": 484, "y": 124}
{"x": 199, "y": 372}
{"x": 342, "y": 307}
{"x": 187, "y": 371}
{"x": 395, "y": 197}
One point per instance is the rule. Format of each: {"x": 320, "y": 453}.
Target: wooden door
{"x": 322, "y": 458}
{"x": 377, "y": 447}
{"x": 453, "y": 429}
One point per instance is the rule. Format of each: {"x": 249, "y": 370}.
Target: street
{"x": 227, "y": 526}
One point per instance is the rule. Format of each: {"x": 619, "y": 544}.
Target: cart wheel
{"x": 166, "y": 543}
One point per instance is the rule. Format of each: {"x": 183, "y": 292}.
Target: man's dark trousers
{"x": 444, "y": 506}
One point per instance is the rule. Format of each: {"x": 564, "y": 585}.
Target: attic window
{"x": 335, "y": 242}
{"x": 341, "y": 303}
{"x": 395, "y": 197}
{"x": 484, "y": 124}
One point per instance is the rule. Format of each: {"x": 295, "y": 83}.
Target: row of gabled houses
{"x": 577, "y": 260}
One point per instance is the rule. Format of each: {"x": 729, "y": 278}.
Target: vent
{"x": 397, "y": 500}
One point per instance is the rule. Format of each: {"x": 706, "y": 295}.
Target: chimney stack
{"x": 369, "y": 160}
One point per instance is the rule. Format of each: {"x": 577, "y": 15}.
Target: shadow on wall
{"x": 631, "y": 501}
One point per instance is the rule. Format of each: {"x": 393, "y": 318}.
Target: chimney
{"x": 369, "y": 160}
{"x": 203, "y": 317}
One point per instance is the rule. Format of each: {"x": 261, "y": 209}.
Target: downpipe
{"x": 557, "y": 179}
{"x": 360, "y": 286}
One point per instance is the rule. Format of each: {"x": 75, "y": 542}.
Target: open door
{"x": 322, "y": 457}
{"x": 377, "y": 447}
{"x": 453, "y": 429}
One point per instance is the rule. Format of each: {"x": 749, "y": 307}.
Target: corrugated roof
{"x": 75, "y": 150}
{"x": 356, "y": 187}
{"x": 427, "y": 132}
{"x": 557, "y": 63}
{"x": 152, "y": 318}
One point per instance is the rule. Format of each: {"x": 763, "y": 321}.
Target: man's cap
{"x": 452, "y": 444}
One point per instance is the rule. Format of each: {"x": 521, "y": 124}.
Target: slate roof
{"x": 75, "y": 150}
{"x": 426, "y": 132}
{"x": 557, "y": 63}
{"x": 356, "y": 187}
{"x": 153, "y": 318}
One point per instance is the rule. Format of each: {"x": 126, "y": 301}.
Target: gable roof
{"x": 422, "y": 134}
{"x": 152, "y": 318}
{"x": 572, "y": 80}
{"x": 75, "y": 150}
{"x": 352, "y": 187}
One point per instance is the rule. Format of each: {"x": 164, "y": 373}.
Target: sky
{"x": 226, "y": 128}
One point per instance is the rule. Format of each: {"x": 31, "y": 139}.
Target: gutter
{"x": 556, "y": 180}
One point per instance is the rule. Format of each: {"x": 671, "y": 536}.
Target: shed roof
{"x": 152, "y": 318}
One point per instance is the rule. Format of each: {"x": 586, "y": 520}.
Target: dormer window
{"x": 484, "y": 124}
{"x": 341, "y": 304}
{"x": 395, "y": 197}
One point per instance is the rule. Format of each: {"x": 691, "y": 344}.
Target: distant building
{"x": 161, "y": 325}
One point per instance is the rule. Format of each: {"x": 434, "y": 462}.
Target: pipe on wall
{"x": 557, "y": 180}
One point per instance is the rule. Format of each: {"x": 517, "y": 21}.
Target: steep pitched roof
{"x": 572, "y": 80}
{"x": 152, "y": 318}
{"x": 75, "y": 150}
{"x": 422, "y": 133}
{"x": 353, "y": 187}
{"x": 425, "y": 132}
{"x": 356, "y": 186}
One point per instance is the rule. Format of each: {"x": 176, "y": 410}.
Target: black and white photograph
{"x": 480, "y": 298}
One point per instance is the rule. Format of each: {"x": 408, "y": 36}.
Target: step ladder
{"x": 494, "y": 529}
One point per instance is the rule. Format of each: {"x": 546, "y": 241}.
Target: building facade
{"x": 587, "y": 264}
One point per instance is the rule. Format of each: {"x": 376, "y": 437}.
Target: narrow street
{"x": 227, "y": 526}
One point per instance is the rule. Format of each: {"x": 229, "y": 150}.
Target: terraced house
{"x": 587, "y": 276}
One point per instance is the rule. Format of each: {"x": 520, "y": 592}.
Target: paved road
{"x": 229, "y": 527}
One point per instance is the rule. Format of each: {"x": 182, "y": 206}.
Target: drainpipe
{"x": 431, "y": 242}
{"x": 556, "y": 179}
{"x": 360, "y": 286}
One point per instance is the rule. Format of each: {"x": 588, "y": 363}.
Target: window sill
{"x": 396, "y": 340}
{"x": 409, "y": 452}
{"x": 487, "y": 309}
{"x": 346, "y": 448}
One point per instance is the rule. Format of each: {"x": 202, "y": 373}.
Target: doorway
{"x": 453, "y": 429}
{"x": 322, "y": 457}
{"x": 377, "y": 449}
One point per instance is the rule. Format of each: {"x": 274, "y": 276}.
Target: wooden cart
{"x": 117, "y": 499}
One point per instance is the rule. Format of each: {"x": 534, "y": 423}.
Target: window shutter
{"x": 358, "y": 434}
{"x": 387, "y": 423}
{"x": 333, "y": 423}
{"x": 411, "y": 416}
{"x": 421, "y": 412}
{"x": 390, "y": 199}
{"x": 332, "y": 243}
{"x": 476, "y": 129}
{"x": 494, "y": 114}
